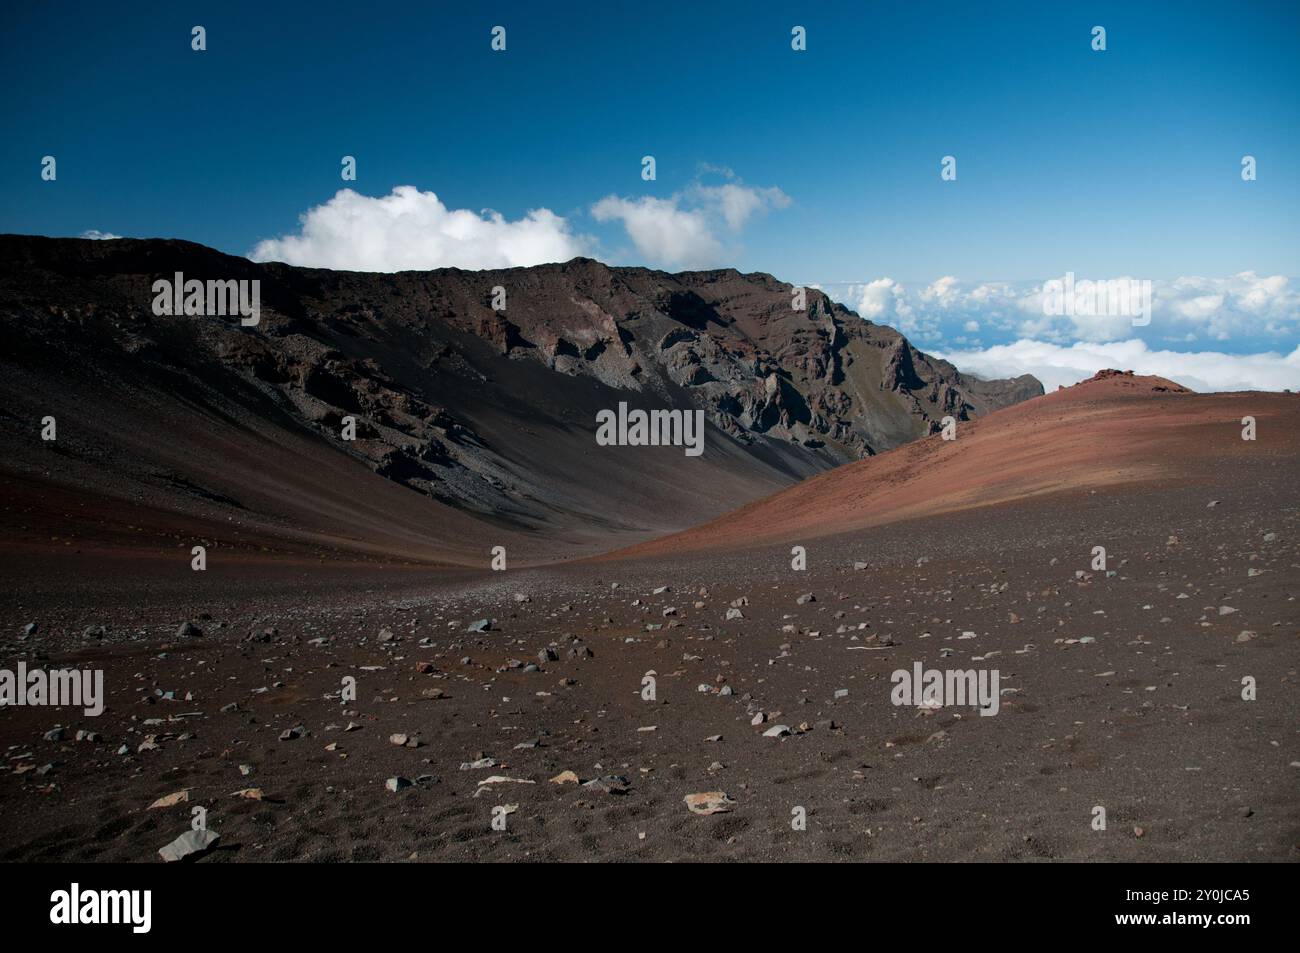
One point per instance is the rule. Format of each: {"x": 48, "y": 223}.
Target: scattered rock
{"x": 502, "y": 779}
{"x": 170, "y": 800}
{"x": 610, "y": 784}
{"x": 709, "y": 802}
{"x": 188, "y": 844}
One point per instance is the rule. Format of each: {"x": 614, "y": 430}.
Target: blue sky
{"x": 819, "y": 166}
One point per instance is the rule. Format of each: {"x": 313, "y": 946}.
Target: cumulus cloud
{"x": 96, "y": 235}
{"x": 663, "y": 232}
{"x": 943, "y": 292}
{"x": 413, "y": 230}
{"x": 694, "y": 228}
{"x": 883, "y": 299}
{"x": 1056, "y": 365}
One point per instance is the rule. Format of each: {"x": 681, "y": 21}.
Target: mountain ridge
{"x": 487, "y": 412}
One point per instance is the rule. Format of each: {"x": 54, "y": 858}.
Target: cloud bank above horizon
{"x": 1060, "y": 366}
{"x": 1186, "y": 309}
{"x": 1238, "y": 332}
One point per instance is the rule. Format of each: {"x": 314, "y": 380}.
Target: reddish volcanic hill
{"x": 1113, "y": 429}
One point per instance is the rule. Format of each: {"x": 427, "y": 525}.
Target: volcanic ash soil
{"x": 522, "y": 698}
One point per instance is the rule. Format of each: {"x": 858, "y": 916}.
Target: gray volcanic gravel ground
{"x": 1120, "y": 689}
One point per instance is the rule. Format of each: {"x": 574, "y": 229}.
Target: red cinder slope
{"x": 1113, "y": 429}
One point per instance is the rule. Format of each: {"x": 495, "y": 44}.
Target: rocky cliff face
{"x": 491, "y": 411}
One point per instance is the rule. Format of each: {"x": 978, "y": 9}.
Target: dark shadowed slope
{"x": 475, "y": 427}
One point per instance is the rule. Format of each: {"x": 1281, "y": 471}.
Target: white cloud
{"x": 1056, "y": 365}
{"x": 739, "y": 203}
{"x": 886, "y": 301}
{"x": 664, "y": 233}
{"x": 691, "y": 228}
{"x": 882, "y": 298}
{"x": 409, "y": 230}
{"x": 945, "y": 292}
{"x": 96, "y": 235}
{"x": 1243, "y": 305}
